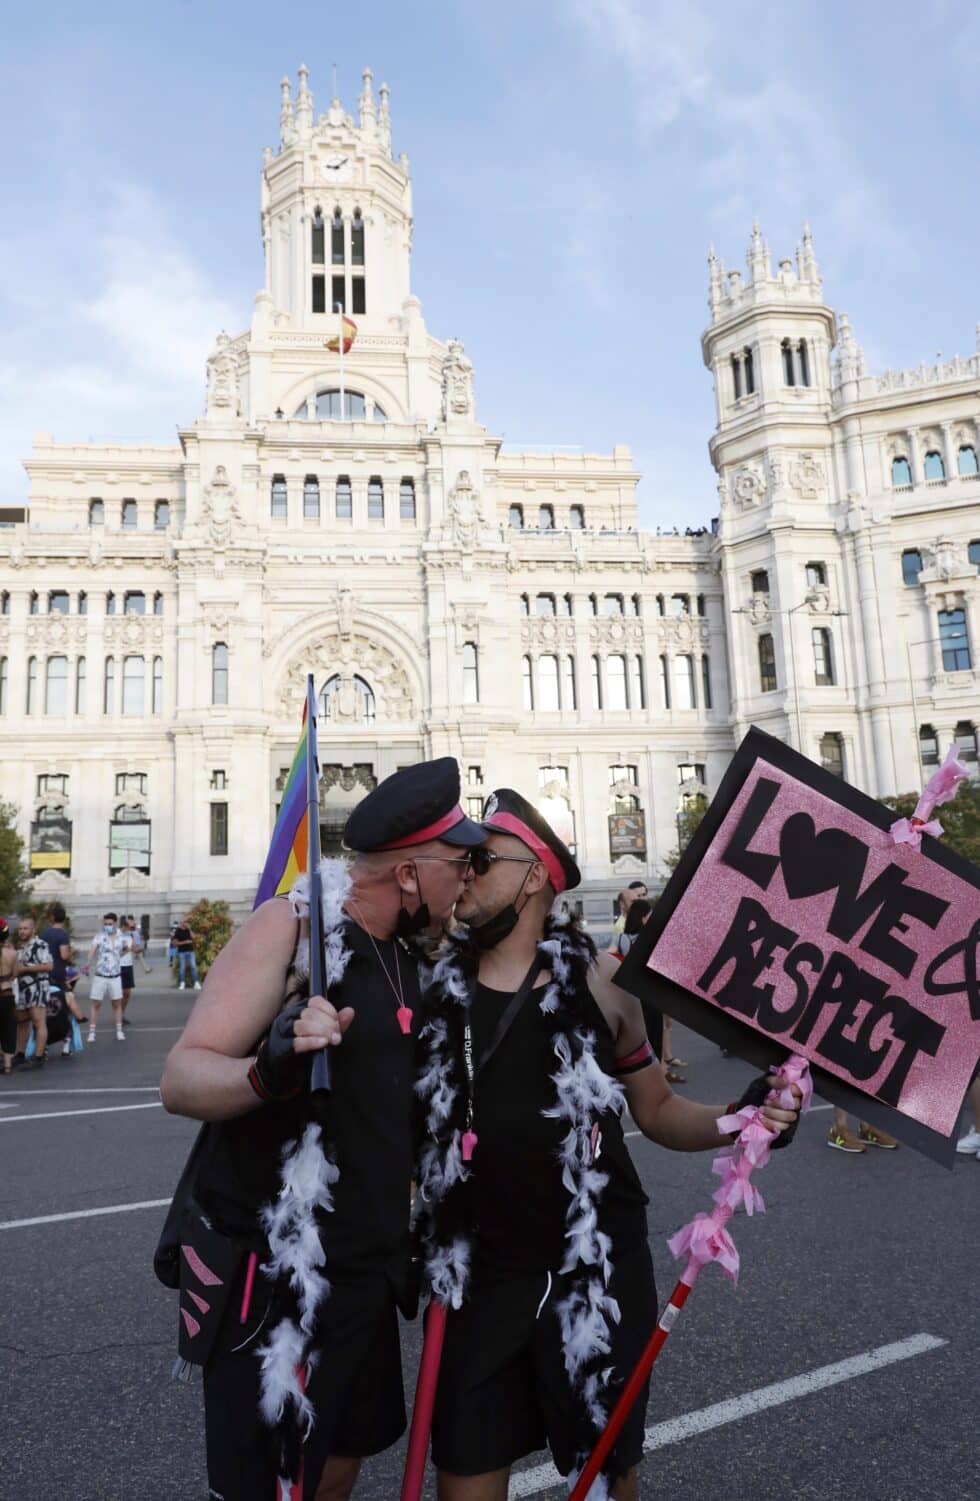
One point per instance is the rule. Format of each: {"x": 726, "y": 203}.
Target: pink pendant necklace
{"x": 403, "y": 1013}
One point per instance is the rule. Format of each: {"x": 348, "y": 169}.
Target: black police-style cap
{"x": 509, "y": 813}
{"x": 412, "y": 806}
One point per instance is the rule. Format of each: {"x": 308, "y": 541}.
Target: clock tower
{"x": 336, "y": 215}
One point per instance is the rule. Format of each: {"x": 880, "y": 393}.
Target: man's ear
{"x": 406, "y": 874}
{"x": 537, "y": 879}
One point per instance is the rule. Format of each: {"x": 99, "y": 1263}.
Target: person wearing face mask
{"x": 105, "y": 966}
{"x": 243, "y": 1063}
{"x": 530, "y": 1213}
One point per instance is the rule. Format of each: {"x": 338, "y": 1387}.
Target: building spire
{"x": 304, "y": 102}
{"x": 809, "y": 271}
{"x": 286, "y": 118}
{"x": 758, "y": 257}
{"x": 715, "y": 292}
{"x": 366, "y": 102}
{"x": 384, "y": 118}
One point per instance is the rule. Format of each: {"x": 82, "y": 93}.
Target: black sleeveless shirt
{"x": 516, "y": 1200}
{"x": 368, "y": 1123}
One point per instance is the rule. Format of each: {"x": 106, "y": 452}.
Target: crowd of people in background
{"x": 39, "y": 972}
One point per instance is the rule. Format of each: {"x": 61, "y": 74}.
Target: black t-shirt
{"x": 368, "y": 1121}
{"x": 182, "y": 937}
{"x": 56, "y": 938}
{"x": 517, "y": 1201}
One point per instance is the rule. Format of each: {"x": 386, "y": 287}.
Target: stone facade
{"x": 345, "y": 513}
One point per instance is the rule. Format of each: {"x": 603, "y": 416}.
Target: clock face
{"x": 337, "y": 167}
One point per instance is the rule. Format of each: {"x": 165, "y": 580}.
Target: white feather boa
{"x": 583, "y": 1093}
{"x": 308, "y": 1174}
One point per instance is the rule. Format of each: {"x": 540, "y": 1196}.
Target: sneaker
{"x": 120, "y": 1035}
{"x": 197, "y": 984}
{"x": 969, "y": 1144}
{"x": 844, "y": 1140}
{"x": 91, "y": 1035}
{"x": 873, "y": 1137}
{"x": 181, "y": 986}
{"x": 66, "y": 1050}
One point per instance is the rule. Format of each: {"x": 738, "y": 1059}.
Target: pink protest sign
{"x": 798, "y": 917}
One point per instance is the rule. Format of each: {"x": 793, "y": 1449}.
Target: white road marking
{"x": 543, "y": 1477}
{"x": 55, "y": 1115}
{"x": 37, "y": 1094}
{"x": 156, "y": 1029}
{"x": 82, "y": 1214}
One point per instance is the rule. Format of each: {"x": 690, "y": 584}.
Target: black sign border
{"x": 721, "y": 1027}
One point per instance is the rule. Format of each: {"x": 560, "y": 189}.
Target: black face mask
{"x": 502, "y": 924}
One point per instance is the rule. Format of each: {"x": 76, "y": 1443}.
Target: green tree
{"x": 960, "y": 818}
{"x": 15, "y": 878}
{"x": 211, "y": 924}
{"x": 687, "y": 821}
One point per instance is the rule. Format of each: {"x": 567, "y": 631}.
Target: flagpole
{"x": 339, "y": 308}
{"x": 320, "y": 1072}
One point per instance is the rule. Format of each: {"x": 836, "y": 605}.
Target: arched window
{"x": 901, "y": 473}
{"x": 110, "y": 603}
{"x": 767, "y": 664}
{"x": 515, "y": 517}
{"x": 357, "y": 240}
{"x": 569, "y": 691}
{"x": 364, "y": 694}
{"x": 280, "y": 497}
{"x": 832, "y": 753}
{"x": 661, "y": 604}
{"x": 748, "y": 365}
{"x": 565, "y": 605}
{"x": 32, "y": 685}
{"x": 96, "y": 513}
{"x": 219, "y": 673}
{"x": 576, "y": 518}
{"x": 134, "y": 680}
{"x": 759, "y": 581}
{"x": 544, "y": 604}
{"x": 737, "y": 375}
{"x": 596, "y": 683}
{"x": 638, "y": 695}
{"x": 471, "y": 673}
{"x": 375, "y": 498}
{"x": 337, "y": 238}
{"x": 549, "y": 692}
{"x": 684, "y": 682}
{"x": 158, "y": 603}
{"x": 706, "y": 682}
{"x": 4, "y": 674}
{"x": 934, "y": 468}
{"x": 816, "y": 575}
{"x": 343, "y": 498}
{"x": 406, "y": 499}
{"x": 612, "y": 604}
{"x": 80, "y": 686}
{"x": 316, "y": 239}
{"x": 130, "y": 515}
{"x": 58, "y": 602}
{"x": 966, "y": 461}
{"x": 34, "y": 605}
{"x": 546, "y": 518}
{"x": 966, "y": 741}
{"x": 327, "y": 407}
{"x": 311, "y": 498}
{"x": 617, "y": 686}
{"x": 161, "y": 515}
{"x": 527, "y": 683}
{"x": 109, "y": 686}
{"x": 5, "y": 602}
{"x": 928, "y": 745}
{"x": 823, "y": 657}
{"x": 635, "y": 605}
{"x": 803, "y": 362}
{"x": 789, "y": 373}
{"x": 56, "y": 686}
{"x": 158, "y": 685}
{"x": 134, "y": 602}
{"x": 911, "y": 565}
{"x": 665, "y": 682}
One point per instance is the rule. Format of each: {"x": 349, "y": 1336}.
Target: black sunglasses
{"x": 482, "y": 860}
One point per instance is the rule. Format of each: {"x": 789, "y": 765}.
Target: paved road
{"x": 856, "y": 1255}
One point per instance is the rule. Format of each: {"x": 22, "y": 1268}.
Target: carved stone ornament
{"x": 218, "y": 619}
{"x": 760, "y": 610}
{"x": 219, "y": 508}
{"x": 748, "y": 486}
{"x": 614, "y": 631}
{"x": 346, "y": 657}
{"x": 466, "y": 621}
{"x": 464, "y": 510}
{"x": 807, "y": 476}
{"x": 222, "y": 397}
{"x": 547, "y": 631}
{"x": 682, "y": 630}
{"x": 457, "y": 382}
{"x": 345, "y": 610}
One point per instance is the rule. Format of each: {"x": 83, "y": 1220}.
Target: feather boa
{"x": 295, "y": 1252}
{"x": 583, "y": 1093}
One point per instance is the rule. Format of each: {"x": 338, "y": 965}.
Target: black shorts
{"x": 503, "y": 1392}
{"x": 126, "y": 976}
{"x": 355, "y": 1388}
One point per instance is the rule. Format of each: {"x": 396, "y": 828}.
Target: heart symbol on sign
{"x": 812, "y": 862}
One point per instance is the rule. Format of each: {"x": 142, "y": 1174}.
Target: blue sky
{"x": 572, "y": 160}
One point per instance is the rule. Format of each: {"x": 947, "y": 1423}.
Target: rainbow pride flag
{"x": 288, "y": 851}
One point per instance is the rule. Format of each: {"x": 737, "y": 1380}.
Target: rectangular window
{"x": 337, "y": 241}
{"x": 684, "y": 682}
{"x": 375, "y": 499}
{"x": 53, "y": 784}
{"x": 56, "y": 686}
{"x": 279, "y": 497}
{"x": 596, "y": 683}
{"x": 767, "y": 664}
{"x": 319, "y": 294}
{"x": 527, "y": 681}
{"x": 311, "y": 498}
{"x": 357, "y": 241}
{"x": 130, "y": 518}
{"x": 665, "y": 682}
{"x": 131, "y": 784}
{"x": 219, "y": 780}
{"x": 219, "y": 828}
{"x": 358, "y": 298}
{"x": 549, "y": 697}
{"x": 158, "y": 685}
{"x": 317, "y": 245}
{"x": 134, "y": 677}
{"x": 954, "y": 640}
{"x": 161, "y": 515}
{"x": 638, "y": 687}
{"x": 109, "y": 686}
{"x": 134, "y": 602}
{"x": 471, "y": 674}
{"x": 406, "y": 500}
{"x": 569, "y": 691}
{"x": 3, "y": 685}
{"x": 58, "y": 602}
{"x": 344, "y": 499}
{"x": 706, "y": 682}
{"x": 338, "y": 298}
{"x": 911, "y": 565}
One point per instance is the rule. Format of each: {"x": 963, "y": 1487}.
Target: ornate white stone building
{"x": 162, "y": 606}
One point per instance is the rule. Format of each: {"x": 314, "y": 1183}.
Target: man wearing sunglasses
{"x": 532, "y": 1216}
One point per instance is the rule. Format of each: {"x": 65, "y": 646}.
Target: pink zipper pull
{"x": 470, "y": 1139}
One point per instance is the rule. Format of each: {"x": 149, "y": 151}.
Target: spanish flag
{"x": 349, "y": 330}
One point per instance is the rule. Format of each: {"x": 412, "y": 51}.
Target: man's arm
{"x": 206, "y": 1074}
{"x": 38, "y": 969}
{"x": 680, "y": 1124}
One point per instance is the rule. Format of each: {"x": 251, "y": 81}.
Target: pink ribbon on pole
{"x": 941, "y": 787}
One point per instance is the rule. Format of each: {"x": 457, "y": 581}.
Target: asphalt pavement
{"x": 842, "y": 1368}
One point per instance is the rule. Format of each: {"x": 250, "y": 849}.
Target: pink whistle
{"x": 405, "y": 1019}
{"x": 470, "y": 1139}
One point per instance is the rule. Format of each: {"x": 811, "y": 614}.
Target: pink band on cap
{"x": 509, "y": 823}
{"x": 431, "y": 831}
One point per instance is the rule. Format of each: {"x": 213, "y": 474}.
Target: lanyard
{"x": 504, "y": 1024}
